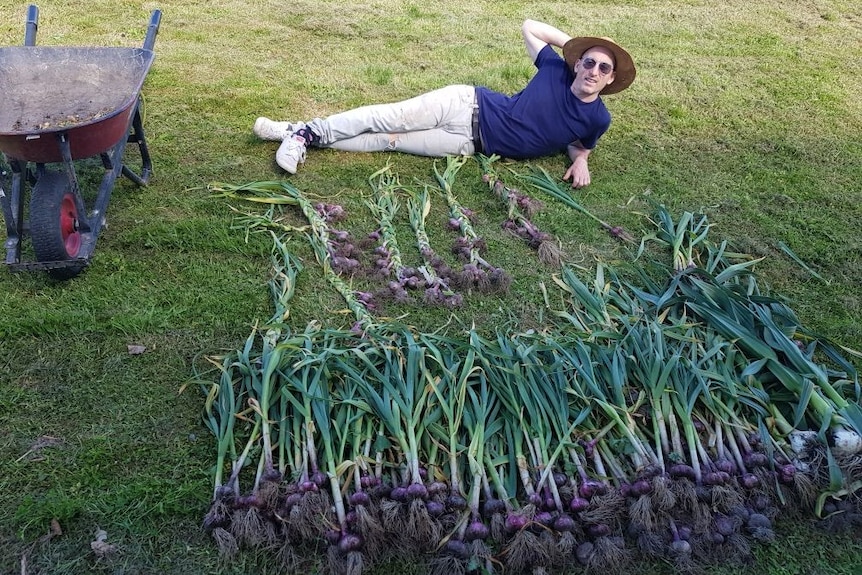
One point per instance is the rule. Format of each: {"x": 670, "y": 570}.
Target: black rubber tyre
{"x": 54, "y": 220}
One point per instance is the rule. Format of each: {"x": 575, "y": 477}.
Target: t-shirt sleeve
{"x": 545, "y": 55}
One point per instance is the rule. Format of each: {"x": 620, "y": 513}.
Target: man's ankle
{"x": 308, "y": 135}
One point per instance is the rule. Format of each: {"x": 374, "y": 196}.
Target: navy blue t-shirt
{"x": 543, "y": 118}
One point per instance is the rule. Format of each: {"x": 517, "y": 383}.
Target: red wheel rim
{"x": 69, "y": 225}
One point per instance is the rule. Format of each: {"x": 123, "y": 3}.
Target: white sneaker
{"x": 267, "y": 129}
{"x": 291, "y": 153}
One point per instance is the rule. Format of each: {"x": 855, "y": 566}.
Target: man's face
{"x": 593, "y": 72}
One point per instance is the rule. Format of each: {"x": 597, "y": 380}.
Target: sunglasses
{"x": 604, "y": 67}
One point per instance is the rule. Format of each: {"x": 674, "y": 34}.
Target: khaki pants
{"x": 438, "y": 123}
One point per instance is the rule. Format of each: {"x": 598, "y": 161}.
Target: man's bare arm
{"x": 579, "y": 171}
{"x": 538, "y": 34}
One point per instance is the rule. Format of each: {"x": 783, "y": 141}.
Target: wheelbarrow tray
{"x": 87, "y": 92}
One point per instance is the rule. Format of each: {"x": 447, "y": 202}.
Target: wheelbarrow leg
{"x": 13, "y": 213}
{"x": 137, "y": 137}
{"x": 112, "y": 160}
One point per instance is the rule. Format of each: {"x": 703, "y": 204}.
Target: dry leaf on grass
{"x": 100, "y": 545}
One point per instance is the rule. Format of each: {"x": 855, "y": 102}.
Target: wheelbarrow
{"x": 61, "y": 105}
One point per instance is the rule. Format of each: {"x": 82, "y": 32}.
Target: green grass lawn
{"x": 745, "y": 110}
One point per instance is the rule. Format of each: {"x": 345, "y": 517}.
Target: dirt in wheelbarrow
{"x": 63, "y": 119}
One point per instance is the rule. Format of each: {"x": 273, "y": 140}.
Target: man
{"x": 559, "y": 110}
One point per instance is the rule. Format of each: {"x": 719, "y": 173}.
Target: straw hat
{"x": 624, "y": 66}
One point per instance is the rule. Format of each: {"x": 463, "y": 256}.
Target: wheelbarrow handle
{"x": 31, "y": 24}
{"x": 153, "y": 29}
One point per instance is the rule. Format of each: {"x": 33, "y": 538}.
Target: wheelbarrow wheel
{"x": 54, "y": 224}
